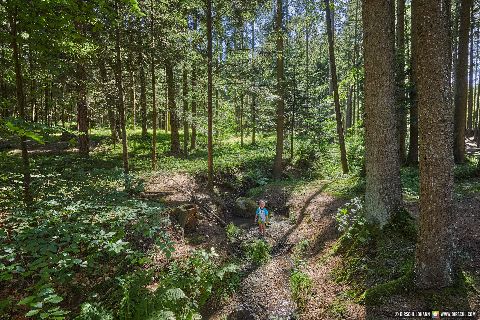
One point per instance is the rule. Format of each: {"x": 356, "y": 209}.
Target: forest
{"x": 239, "y": 160}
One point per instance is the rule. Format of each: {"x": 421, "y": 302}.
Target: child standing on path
{"x": 261, "y": 216}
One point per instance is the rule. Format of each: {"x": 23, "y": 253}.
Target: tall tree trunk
{"x": 185, "y": 110}
{"x": 433, "y": 257}
{"x": 400, "y": 80}
{"x": 461, "y": 88}
{"x": 27, "y": 195}
{"x": 278, "y": 165}
{"x": 82, "y": 110}
{"x": 253, "y": 111}
{"x": 193, "y": 136}
{"x": 143, "y": 94}
{"x": 209, "y": 95}
{"x": 470, "y": 81}
{"x": 383, "y": 194}
{"x": 154, "y": 92}
{"x": 109, "y": 99}
{"x": 242, "y": 98}
{"x": 356, "y": 88}
{"x": 294, "y": 108}
{"x": 172, "y": 109}
{"x": 333, "y": 74}
{"x": 348, "y": 116}
{"x": 121, "y": 102}
{"x": 133, "y": 95}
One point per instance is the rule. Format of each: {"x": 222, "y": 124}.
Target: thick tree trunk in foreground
{"x": 121, "y": 102}
{"x": 333, "y": 74}
{"x": 461, "y": 88}
{"x": 209, "y": 96}
{"x": 412, "y": 157}
{"x": 470, "y": 81}
{"x": 400, "y": 79}
{"x": 27, "y": 195}
{"x": 383, "y": 194}
{"x": 278, "y": 165}
{"x": 433, "y": 258}
{"x": 172, "y": 108}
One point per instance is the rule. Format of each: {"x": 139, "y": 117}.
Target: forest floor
{"x": 265, "y": 290}
{"x": 305, "y": 277}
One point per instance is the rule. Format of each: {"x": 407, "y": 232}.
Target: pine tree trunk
{"x": 193, "y": 136}
{"x": 154, "y": 93}
{"x": 185, "y": 110}
{"x": 253, "y": 111}
{"x": 412, "y": 157}
{"x": 209, "y": 95}
{"x": 348, "y": 117}
{"x": 143, "y": 94}
{"x": 434, "y": 252}
{"x": 172, "y": 109}
{"x": 333, "y": 74}
{"x": 383, "y": 193}
{"x": 461, "y": 87}
{"x": 470, "y": 81}
{"x": 278, "y": 165}
{"x": 82, "y": 110}
{"x": 27, "y": 195}
{"x": 109, "y": 100}
{"x": 400, "y": 79}
{"x": 121, "y": 102}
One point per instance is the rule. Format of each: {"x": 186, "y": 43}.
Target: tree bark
{"x": 193, "y": 136}
{"x": 348, "y": 116}
{"x": 470, "y": 81}
{"x": 109, "y": 99}
{"x": 253, "y": 105}
{"x": 143, "y": 94}
{"x": 334, "y": 81}
{"x": 121, "y": 102}
{"x": 278, "y": 164}
{"x": 434, "y": 254}
{"x": 209, "y": 96}
{"x": 82, "y": 110}
{"x": 383, "y": 194}
{"x": 400, "y": 80}
{"x": 172, "y": 109}
{"x": 185, "y": 110}
{"x": 20, "y": 95}
{"x": 412, "y": 157}
{"x": 461, "y": 88}
{"x": 154, "y": 91}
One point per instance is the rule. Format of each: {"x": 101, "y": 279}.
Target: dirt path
{"x": 264, "y": 292}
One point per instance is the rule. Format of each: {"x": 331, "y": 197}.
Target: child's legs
{"x": 262, "y": 227}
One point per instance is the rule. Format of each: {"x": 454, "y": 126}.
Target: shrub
{"x": 233, "y": 232}
{"x": 258, "y": 251}
{"x": 301, "y": 288}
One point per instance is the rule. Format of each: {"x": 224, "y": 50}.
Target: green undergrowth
{"x": 258, "y": 251}
{"x": 179, "y": 292}
{"x": 375, "y": 263}
{"x": 300, "y": 282}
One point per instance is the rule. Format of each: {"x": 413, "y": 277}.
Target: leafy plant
{"x": 233, "y": 232}
{"x": 258, "y": 251}
{"x": 301, "y": 288}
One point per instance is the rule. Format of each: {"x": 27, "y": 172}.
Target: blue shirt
{"x": 262, "y": 214}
